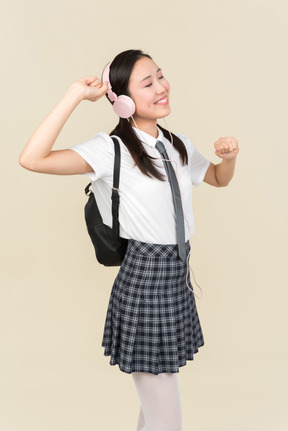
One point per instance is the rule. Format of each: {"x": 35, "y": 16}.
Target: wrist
{"x": 229, "y": 160}
{"x": 76, "y": 93}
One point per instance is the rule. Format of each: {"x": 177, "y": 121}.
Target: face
{"x": 149, "y": 90}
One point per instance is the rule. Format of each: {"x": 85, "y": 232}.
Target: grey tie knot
{"x": 160, "y": 147}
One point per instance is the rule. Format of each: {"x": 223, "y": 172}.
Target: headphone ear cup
{"x": 124, "y": 106}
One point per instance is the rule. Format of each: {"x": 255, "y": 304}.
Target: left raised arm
{"x": 221, "y": 174}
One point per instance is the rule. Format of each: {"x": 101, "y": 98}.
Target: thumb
{"x": 103, "y": 87}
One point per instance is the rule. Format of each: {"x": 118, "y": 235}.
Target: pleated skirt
{"x": 152, "y": 323}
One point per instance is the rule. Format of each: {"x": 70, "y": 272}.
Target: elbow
{"x": 26, "y": 163}
{"x": 222, "y": 184}
{"x": 219, "y": 183}
{"x": 23, "y": 162}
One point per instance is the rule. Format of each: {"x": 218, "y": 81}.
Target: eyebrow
{"x": 149, "y": 76}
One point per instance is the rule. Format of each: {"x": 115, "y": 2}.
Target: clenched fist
{"x": 91, "y": 88}
{"x": 226, "y": 148}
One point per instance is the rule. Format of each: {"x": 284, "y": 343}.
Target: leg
{"x": 160, "y": 400}
{"x": 141, "y": 421}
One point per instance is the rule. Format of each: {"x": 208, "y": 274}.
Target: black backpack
{"x": 109, "y": 248}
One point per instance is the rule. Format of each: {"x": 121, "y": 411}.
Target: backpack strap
{"x": 115, "y": 190}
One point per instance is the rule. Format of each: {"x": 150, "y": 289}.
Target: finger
{"x": 217, "y": 144}
{"x": 221, "y": 143}
{"x": 226, "y": 143}
{"x": 218, "y": 147}
{"x": 219, "y": 153}
{"x": 221, "y": 147}
{"x": 95, "y": 82}
{"x": 90, "y": 79}
{"x": 103, "y": 88}
{"x": 235, "y": 143}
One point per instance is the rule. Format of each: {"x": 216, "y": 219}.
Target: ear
{"x": 124, "y": 106}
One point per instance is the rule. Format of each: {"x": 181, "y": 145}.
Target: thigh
{"x": 160, "y": 400}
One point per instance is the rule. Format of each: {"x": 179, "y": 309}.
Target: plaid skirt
{"x": 152, "y": 323}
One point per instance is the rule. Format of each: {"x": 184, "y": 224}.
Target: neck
{"x": 149, "y": 127}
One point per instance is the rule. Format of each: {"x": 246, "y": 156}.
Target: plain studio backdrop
{"x": 226, "y": 61}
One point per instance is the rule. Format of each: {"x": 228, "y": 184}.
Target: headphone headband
{"x": 105, "y": 78}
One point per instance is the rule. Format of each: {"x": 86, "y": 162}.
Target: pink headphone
{"x": 123, "y": 105}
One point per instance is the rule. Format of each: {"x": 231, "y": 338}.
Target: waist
{"x": 155, "y": 250}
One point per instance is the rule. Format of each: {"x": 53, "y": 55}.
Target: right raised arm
{"x": 37, "y": 154}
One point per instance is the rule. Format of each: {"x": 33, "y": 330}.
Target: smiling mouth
{"x": 162, "y": 101}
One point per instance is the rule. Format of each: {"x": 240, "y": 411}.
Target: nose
{"x": 160, "y": 87}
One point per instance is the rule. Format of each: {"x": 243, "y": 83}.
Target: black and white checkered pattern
{"x": 152, "y": 323}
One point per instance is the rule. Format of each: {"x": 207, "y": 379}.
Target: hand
{"x": 91, "y": 88}
{"x": 226, "y": 148}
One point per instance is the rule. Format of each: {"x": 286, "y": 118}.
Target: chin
{"x": 165, "y": 114}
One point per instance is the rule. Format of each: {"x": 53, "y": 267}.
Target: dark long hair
{"x": 120, "y": 71}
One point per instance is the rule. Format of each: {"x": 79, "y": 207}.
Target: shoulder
{"x": 182, "y": 137}
{"x": 99, "y": 143}
{"x": 102, "y": 145}
{"x": 101, "y": 139}
{"x": 188, "y": 144}
{"x": 186, "y": 141}
{"x": 195, "y": 158}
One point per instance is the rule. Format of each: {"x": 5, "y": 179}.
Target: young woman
{"x": 152, "y": 326}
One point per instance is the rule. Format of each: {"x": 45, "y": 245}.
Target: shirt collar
{"x": 147, "y": 139}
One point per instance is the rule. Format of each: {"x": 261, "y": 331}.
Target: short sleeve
{"x": 197, "y": 163}
{"x": 98, "y": 152}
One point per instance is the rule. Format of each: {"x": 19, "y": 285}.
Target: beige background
{"x": 226, "y": 61}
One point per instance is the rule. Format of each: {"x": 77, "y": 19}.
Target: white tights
{"x": 160, "y": 402}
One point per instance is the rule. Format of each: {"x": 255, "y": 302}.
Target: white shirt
{"x": 146, "y": 210}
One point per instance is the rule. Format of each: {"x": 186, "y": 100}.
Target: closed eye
{"x": 149, "y": 85}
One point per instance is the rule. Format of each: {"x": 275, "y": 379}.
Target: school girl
{"x": 152, "y": 326}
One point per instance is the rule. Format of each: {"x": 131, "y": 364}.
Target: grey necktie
{"x": 180, "y": 229}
